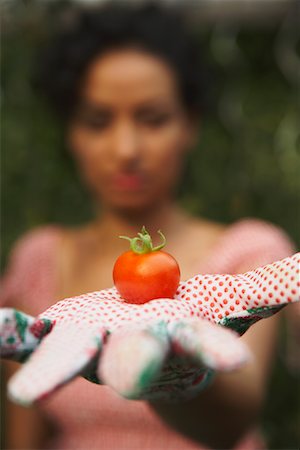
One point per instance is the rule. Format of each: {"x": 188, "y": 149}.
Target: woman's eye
{"x": 155, "y": 120}
{"x": 95, "y": 123}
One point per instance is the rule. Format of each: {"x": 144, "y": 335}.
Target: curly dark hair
{"x": 94, "y": 30}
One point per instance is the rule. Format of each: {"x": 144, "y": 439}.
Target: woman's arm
{"x": 232, "y": 404}
{"x": 25, "y": 428}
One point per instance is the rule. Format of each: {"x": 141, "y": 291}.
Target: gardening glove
{"x": 164, "y": 349}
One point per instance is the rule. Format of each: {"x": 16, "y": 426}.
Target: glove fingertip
{"x": 129, "y": 363}
{"x": 18, "y": 393}
{"x": 210, "y": 345}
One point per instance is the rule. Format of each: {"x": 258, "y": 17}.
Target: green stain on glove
{"x": 148, "y": 374}
{"x": 48, "y": 326}
{"x": 241, "y": 324}
{"x": 21, "y": 324}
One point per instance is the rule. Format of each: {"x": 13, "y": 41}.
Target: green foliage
{"x": 246, "y": 164}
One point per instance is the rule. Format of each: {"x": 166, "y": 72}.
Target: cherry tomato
{"x": 145, "y": 273}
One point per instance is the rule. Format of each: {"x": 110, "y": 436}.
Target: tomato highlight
{"x": 145, "y": 272}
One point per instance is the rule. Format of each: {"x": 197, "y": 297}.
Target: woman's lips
{"x": 128, "y": 182}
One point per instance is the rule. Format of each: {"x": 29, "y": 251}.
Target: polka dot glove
{"x": 167, "y": 348}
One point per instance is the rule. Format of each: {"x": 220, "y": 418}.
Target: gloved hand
{"x": 167, "y": 348}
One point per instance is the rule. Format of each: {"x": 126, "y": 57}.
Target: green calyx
{"x": 143, "y": 242}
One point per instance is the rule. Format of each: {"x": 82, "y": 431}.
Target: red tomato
{"x": 149, "y": 274}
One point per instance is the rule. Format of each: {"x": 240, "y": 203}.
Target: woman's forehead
{"x": 129, "y": 76}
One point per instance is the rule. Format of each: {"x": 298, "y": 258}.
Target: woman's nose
{"x": 126, "y": 142}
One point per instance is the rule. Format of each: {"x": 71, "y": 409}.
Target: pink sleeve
{"x": 258, "y": 243}
{"x": 29, "y": 278}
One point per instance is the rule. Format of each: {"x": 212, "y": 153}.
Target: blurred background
{"x": 247, "y": 162}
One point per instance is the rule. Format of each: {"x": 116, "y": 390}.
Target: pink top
{"x": 90, "y": 416}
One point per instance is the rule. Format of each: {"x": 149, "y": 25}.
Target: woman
{"x": 127, "y": 84}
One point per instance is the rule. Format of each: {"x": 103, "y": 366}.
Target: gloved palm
{"x": 166, "y": 348}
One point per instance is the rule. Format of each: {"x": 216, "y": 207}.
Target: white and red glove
{"x": 164, "y": 349}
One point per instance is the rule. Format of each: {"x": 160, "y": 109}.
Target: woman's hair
{"x": 93, "y": 31}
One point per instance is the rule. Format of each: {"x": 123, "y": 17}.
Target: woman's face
{"x": 130, "y": 131}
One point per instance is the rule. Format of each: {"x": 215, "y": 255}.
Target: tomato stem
{"x": 143, "y": 242}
